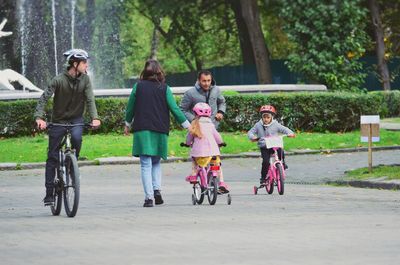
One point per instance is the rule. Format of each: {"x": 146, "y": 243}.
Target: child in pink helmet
{"x": 204, "y": 139}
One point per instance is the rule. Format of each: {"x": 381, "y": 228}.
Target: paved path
{"x": 310, "y": 224}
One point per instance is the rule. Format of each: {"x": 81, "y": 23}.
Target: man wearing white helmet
{"x": 72, "y": 90}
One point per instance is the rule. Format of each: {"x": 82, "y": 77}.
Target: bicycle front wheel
{"x": 72, "y": 185}
{"x": 212, "y": 192}
{"x": 280, "y": 181}
{"x": 269, "y": 184}
{"x": 58, "y": 188}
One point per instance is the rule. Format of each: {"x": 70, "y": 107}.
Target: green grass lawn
{"x": 33, "y": 149}
{"x": 388, "y": 172}
{"x": 391, "y": 120}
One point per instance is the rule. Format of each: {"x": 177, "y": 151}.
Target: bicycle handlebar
{"x": 186, "y": 145}
{"x": 67, "y": 125}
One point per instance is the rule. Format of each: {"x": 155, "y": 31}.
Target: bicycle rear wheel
{"x": 72, "y": 185}
{"x": 212, "y": 192}
{"x": 58, "y": 188}
{"x": 280, "y": 181}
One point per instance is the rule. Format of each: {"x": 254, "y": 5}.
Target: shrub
{"x": 302, "y": 111}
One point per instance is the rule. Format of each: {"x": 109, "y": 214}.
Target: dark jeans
{"x": 266, "y": 154}
{"x": 56, "y": 135}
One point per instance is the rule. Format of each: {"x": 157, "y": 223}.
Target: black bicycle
{"x": 67, "y": 178}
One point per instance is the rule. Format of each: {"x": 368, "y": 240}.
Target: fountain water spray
{"x": 53, "y": 10}
{"x": 73, "y": 4}
{"x": 22, "y": 23}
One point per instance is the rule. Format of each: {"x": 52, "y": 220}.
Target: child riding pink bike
{"x": 266, "y": 127}
{"x": 204, "y": 140}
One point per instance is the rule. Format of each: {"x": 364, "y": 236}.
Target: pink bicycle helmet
{"x": 202, "y": 109}
{"x": 268, "y": 109}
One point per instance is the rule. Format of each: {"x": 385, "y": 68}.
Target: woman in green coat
{"x": 148, "y": 113}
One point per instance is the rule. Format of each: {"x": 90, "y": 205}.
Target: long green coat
{"x": 148, "y": 142}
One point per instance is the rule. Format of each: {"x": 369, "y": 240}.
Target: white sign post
{"x": 369, "y": 133}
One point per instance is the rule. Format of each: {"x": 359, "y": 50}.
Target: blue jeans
{"x": 151, "y": 174}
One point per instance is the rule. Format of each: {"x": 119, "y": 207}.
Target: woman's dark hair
{"x": 203, "y": 72}
{"x": 152, "y": 71}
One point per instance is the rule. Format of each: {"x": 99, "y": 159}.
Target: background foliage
{"x": 327, "y": 49}
{"x": 317, "y": 112}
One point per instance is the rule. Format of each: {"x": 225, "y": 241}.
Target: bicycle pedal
{"x": 49, "y": 204}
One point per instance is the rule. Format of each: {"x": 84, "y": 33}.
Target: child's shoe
{"x": 222, "y": 187}
{"x": 191, "y": 179}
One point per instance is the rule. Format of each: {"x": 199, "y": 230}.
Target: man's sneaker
{"x": 157, "y": 197}
{"x": 148, "y": 203}
{"x": 262, "y": 181}
{"x": 48, "y": 200}
{"x": 191, "y": 179}
{"x": 222, "y": 187}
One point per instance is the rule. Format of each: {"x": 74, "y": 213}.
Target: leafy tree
{"x": 379, "y": 43}
{"x": 389, "y": 42}
{"x": 329, "y": 38}
{"x": 193, "y": 34}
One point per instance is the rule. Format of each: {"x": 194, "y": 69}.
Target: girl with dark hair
{"x": 148, "y": 111}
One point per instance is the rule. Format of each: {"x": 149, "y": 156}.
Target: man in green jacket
{"x": 72, "y": 90}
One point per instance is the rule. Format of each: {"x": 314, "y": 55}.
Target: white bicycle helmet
{"x": 76, "y": 54}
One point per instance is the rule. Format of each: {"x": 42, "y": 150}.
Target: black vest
{"x": 151, "y": 108}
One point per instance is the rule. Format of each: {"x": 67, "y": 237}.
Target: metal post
{"x": 370, "y": 148}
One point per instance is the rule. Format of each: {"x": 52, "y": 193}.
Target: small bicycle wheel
{"x": 255, "y": 190}
{"x": 72, "y": 185}
{"x": 58, "y": 188}
{"x": 269, "y": 185}
{"x": 193, "y": 199}
{"x": 198, "y": 193}
{"x": 229, "y": 199}
{"x": 280, "y": 182}
{"x": 212, "y": 191}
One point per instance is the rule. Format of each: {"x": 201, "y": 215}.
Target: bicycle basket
{"x": 275, "y": 141}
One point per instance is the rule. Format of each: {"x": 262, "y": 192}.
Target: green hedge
{"x": 317, "y": 112}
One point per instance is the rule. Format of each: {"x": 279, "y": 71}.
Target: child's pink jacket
{"x": 208, "y": 144}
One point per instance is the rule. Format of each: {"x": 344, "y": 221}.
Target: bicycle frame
{"x": 274, "y": 160}
{"x": 66, "y": 180}
{"x": 276, "y": 172}
{"x": 65, "y": 148}
{"x": 203, "y": 172}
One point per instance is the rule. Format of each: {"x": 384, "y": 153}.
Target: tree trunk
{"x": 244, "y": 37}
{"x": 380, "y": 44}
{"x": 251, "y": 17}
{"x": 154, "y": 41}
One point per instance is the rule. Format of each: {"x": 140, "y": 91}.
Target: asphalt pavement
{"x": 312, "y": 223}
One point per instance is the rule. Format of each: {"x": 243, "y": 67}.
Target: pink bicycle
{"x": 276, "y": 170}
{"x": 207, "y": 183}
